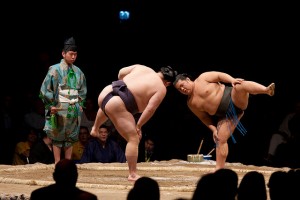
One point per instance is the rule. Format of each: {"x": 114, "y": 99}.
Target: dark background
{"x": 254, "y": 41}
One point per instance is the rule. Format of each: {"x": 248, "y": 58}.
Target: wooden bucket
{"x": 195, "y": 157}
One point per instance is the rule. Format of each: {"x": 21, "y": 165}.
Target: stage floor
{"x": 176, "y": 178}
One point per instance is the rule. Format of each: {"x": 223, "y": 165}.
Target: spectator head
{"x": 144, "y": 188}
{"x": 84, "y": 134}
{"x": 65, "y": 173}
{"x": 103, "y": 133}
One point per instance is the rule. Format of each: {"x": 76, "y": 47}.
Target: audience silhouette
{"x": 144, "y": 188}
{"x": 65, "y": 176}
{"x": 224, "y": 180}
{"x": 205, "y": 187}
{"x": 226, "y": 183}
{"x": 294, "y": 182}
{"x": 252, "y": 186}
{"x": 279, "y": 186}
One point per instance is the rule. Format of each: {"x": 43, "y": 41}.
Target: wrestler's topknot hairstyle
{"x": 169, "y": 73}
{"x": 182, "y": 76}
{"x": 70, "y": 45}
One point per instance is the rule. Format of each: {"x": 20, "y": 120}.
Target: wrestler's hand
{"x": 237, "y": 81}
{"x": 139, "y": 132}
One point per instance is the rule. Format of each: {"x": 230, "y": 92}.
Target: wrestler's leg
{"x": 225, "y": 128}
{"x": 127, "y": 128}
{"x": 125, "y": 124}
{"x": 222, "y": 145}
{"x": 240, "y": 92}
{"x": 100, "y": 117}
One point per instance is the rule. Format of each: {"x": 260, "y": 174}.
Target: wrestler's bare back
{"x": 143, "y": 82}
{"x": 206, "y": 96}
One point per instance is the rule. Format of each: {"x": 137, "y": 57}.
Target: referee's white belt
{"x": 63, "y": 99}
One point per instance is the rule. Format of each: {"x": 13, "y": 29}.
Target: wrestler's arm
{"x": 215, "y": 76}
{"x": 207, "y": 121}
{"x": 124, "y": 71}
{"x": 205, "y": 118}
{"x": 150, "y": 109}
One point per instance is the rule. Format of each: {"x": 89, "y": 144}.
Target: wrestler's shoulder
{"x": 141, "y": 67}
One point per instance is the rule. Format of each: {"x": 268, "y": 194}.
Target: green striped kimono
{"x": 65, "y": 88}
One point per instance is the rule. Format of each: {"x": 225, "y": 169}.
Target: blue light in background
{"x": 124, "y": 15}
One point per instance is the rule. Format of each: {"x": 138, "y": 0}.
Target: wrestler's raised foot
{"x": 271, "y": 89}
{"x": 133, "y": 177}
